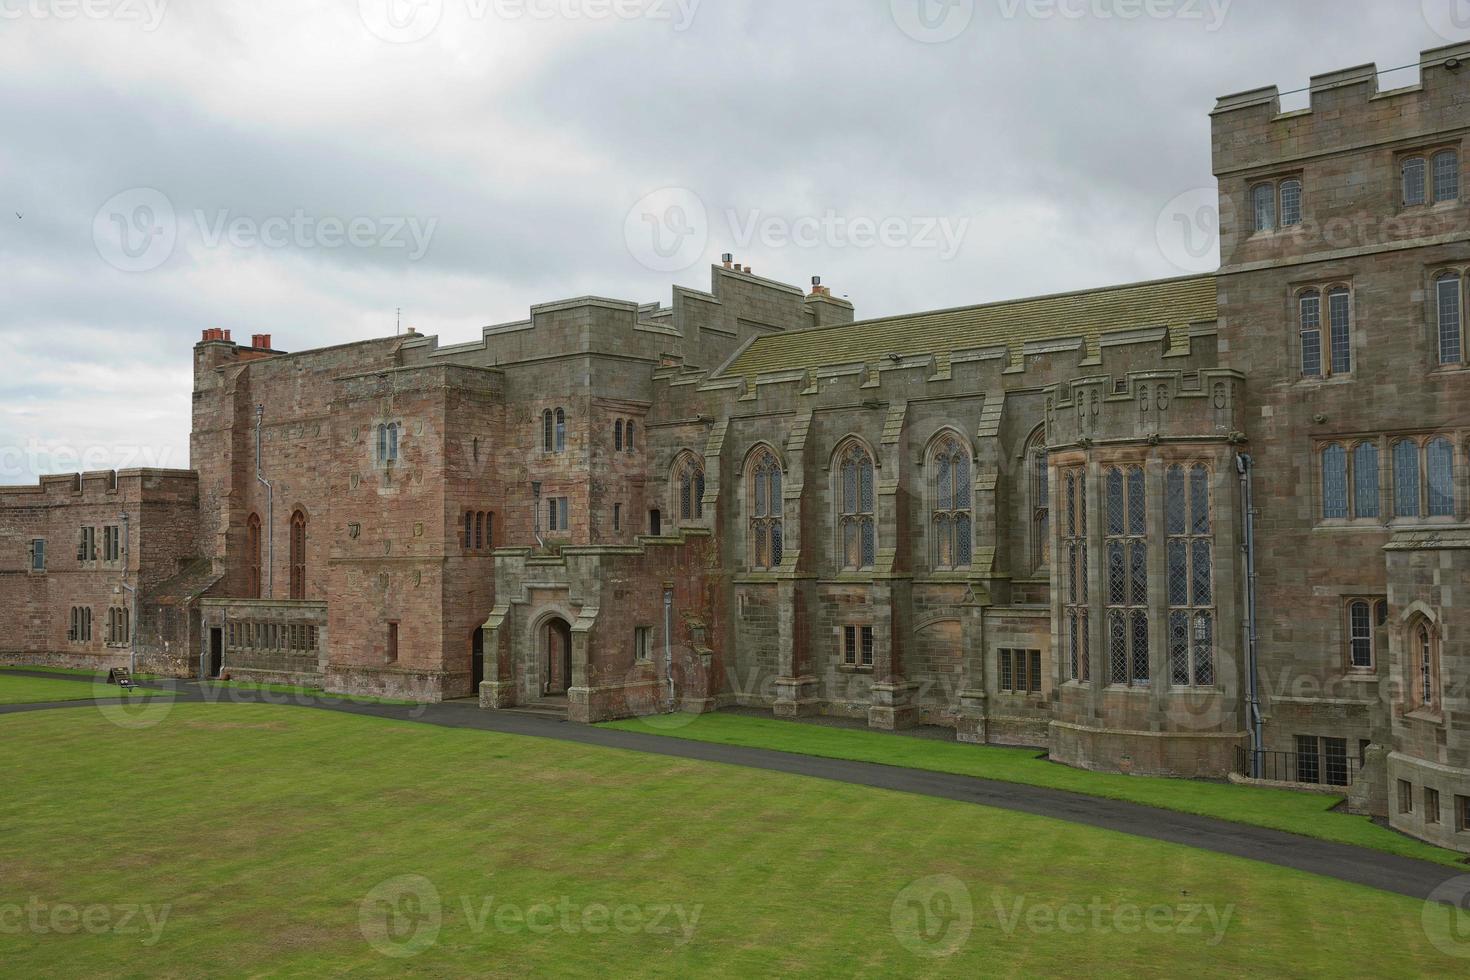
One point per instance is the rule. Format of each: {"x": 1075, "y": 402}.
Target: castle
{"x": 1150, "y": 527}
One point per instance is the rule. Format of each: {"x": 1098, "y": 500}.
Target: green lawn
{"x": 1301, "y": 813}
{"x": 15, "y": 689}
{"x": 248, "y": 839}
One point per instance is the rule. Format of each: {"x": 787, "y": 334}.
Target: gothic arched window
{"x": 857, "y": 537}
{"x": 765, "y": 506}
{"x": 950, "y": 503}
{"x": 689, "y": 479}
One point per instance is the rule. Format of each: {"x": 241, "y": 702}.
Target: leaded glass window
{"x": 953, "y": 498}
{"x": 1365, "y": 481}
{"x": 1291, "y": 203}
{"x": 690, "y": 475}
{"x": 1263, "y": 204}
{"x": 1447, "y": 294}
{"x": 1339, "y": 313}
{"x": 857, "y": 535}
{"x": 1126, "y": 550}
{"x": 1439, "y": 471}
{"x": 764, "y": 501}
{"x": 1446, "y": 165}
{"x": 1190, "y": 551}
{"x": 1311, "y": 333}
{"x": 1334, "y": 482}
{"x": 1406, "y": 479}
{"x": 1074, "y": 546}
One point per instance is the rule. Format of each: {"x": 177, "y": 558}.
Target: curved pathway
{"x": 1363, "y": 866}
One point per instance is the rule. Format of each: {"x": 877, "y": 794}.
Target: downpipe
{"x": 1245, "y": 465}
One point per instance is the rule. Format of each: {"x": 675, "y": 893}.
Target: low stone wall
{"x": 1203, "y": 756}
{"x": 423, "y": 686}
{"x": 101, "y": 662}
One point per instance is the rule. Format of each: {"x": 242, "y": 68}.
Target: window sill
{"x": 1364, "y": 675}
{"x": 854, "y": 669}
{"x": 1129, "y": 688}
{"x": 1425, "y": 715}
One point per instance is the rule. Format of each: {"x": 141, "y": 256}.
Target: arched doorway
{"x": 557, "y": 648}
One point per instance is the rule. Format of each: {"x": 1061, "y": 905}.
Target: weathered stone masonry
{"x": 1024, "y": 521}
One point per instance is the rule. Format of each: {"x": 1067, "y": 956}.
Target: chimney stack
{"x": 729, "y": 259}
{"x": 261, "y": 341}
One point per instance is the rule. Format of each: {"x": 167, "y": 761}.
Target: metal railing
{"x": 1318, "y": 767}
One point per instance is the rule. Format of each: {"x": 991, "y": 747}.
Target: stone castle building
{"x": 1146, "y": 527}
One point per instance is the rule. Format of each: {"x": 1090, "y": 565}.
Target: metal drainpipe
{"x": 1244, "y": 464}
{"x": 270, "y": 511}
{"x": 668, "y": 644}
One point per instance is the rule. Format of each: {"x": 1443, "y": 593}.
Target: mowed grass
{"x": 256, "y": 840}
{"x": 15, "y": 689}
{"x": 1300, "y": 813}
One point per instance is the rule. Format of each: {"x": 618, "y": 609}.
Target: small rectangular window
{"x": 1462, "y": 813}
{"x": 1035, "y": 672}
{"x": 1308, "y": 766}
{"x": 1447, "y": 292}
{"x": 1291, "y": 203}
{"x": 1413, "y": 179}
{"x": 392, "y": 643}
{"x": 1007, "y": 676}
{"x": 641, "y": 644}
{"x": 38, "y": 555}
{"x": 867, "y": 646}
{"x": 617, "y": 517}
{"x": 1335, "y": 759}
{"x": 1406, "y": 796}
{"x": 1446, "y": 176}
{"x": 849, "y": 645}
{"x": 1431, "y": 805}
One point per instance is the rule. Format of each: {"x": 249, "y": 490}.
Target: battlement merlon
{"x": 1250, "y": 131}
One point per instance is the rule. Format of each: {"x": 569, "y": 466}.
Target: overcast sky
{"x": 305, "y": 167}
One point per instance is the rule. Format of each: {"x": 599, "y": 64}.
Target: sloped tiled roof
{"x": 1173, "y": 303}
